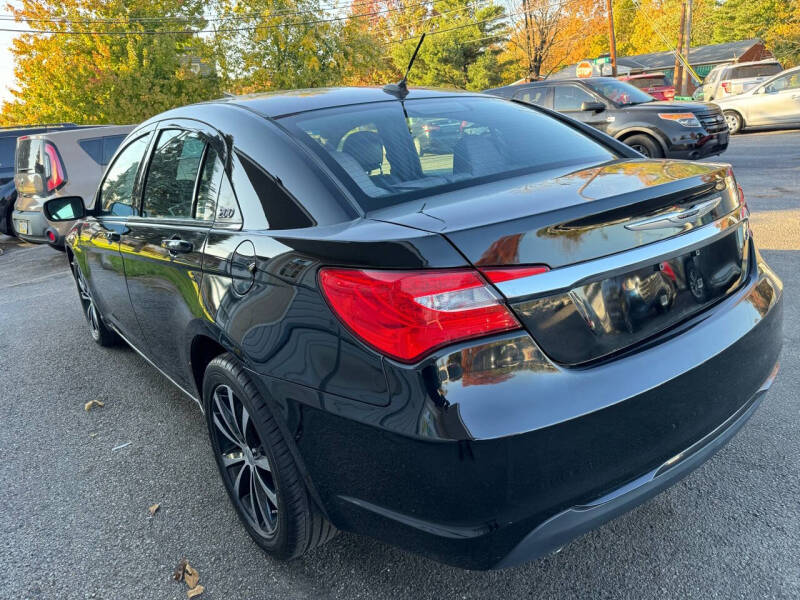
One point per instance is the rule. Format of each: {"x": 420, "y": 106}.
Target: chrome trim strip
{"x": 676, "y": 218}
{"x": 567, "y": 278}
{"x": 152, "y": 364}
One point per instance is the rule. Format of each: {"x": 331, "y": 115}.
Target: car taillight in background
{"x": 53, "y": 168}
{"x": 408, "y": 314}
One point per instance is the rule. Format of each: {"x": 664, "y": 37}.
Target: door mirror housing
{"x": 68, "y": 208}
{"x": 595, "y": 107}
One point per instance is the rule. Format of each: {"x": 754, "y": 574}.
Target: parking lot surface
{"x": 75, "y": 524}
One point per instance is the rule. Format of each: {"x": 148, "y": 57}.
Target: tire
{"x": 734, "y": 120}
{"x": 101, "y": 334}
{"x": 282, "y": 518}
{"x": 645, "y": 145}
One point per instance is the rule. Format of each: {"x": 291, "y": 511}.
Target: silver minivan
{"x": 59, "y": 164}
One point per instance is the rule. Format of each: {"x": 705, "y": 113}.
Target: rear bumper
{"x": 704, "y": 146}
{"x": 489, "y": 455}
{"x": 567, "y": 525}
{"x": 36, "y": 226}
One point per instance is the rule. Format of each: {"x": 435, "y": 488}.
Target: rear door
{"x": 163, "y": 247}
{"x": 539, "y": 95}
{"x": 98, "y": 250}
{"x": 568, "y": 99}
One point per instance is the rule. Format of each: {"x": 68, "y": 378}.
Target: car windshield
{"x": 389, "y": 152}
{"x": 619, "y": 92}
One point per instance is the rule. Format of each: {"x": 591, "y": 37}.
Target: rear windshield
{"x": 747, "y": 71}
{"x": 8, "y": 146}
{"x": 28, "y": 156}
{"x": 648, "y": 82}
{"x": 389, "y": 152}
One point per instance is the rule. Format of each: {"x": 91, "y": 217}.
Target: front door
{"x": 778, "y": 102}
{"x": 162, "y": 248}
{"x": 99, "y": 247}
{"x": 569, "y": 98}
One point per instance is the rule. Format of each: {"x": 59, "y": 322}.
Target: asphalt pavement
{"x": 74, "y": 520}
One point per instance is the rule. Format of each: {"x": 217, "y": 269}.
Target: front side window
{"x": 569, "y": 98}
{"x": 387, "y": 152}
{"x": 116, "y": 191}
{"x": 787, "y": 82}
{"x": 172, "y": 175}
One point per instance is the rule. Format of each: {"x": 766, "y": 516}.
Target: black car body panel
{"x": 623, "y": 121}
{"x": 465, "y": 454}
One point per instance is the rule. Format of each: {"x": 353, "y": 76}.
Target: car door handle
{"x": 113, "y": 236}
{"x": 177, "y": 246}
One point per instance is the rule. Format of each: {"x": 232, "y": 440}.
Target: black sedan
{"x": 688, "y": 130}
{"x": 476, "y": 356}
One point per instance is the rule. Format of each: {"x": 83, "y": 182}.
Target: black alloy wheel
{"x": 100, "y": 333}
{"x": 247, "y": 466}
{"x": 257, "y": 466}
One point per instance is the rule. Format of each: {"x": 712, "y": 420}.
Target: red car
{"x": 655, "y": 84}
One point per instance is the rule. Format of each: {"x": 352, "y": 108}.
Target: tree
{"x": 462, "y": 46}
{"x": 88, "y": 78}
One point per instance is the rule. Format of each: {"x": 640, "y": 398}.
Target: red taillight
{"x": 51, "y": 236}
{"x": 500, "y": 274}
{"x": 428, "y": 127}
{"x": 407, "y": 314}
{"x": 726, "y": 85}
{"x": 54, "y": 170}
{"x": 744, "y": 211}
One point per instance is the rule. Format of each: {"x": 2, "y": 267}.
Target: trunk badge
{"x": 676, "y": 218}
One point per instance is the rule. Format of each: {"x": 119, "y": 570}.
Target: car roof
{"x": 94, "y": 131}
{"x": 280, "y": 103}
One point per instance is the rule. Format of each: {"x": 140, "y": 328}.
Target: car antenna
{"x": 400, "y": 89}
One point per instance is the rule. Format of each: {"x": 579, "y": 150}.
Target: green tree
{"x": 135, "y": 68}
{"x": 462, "y": 47}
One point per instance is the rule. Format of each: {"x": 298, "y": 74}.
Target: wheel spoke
{"x": 271, "y": 496}
{"x": 224, "y": 431}
{"x": 245, "y": 422}
{"x": 253, "y": 502}
{"x": 262, "y": 462}
{"x": 263, "y": 507}
{"x": 230, "y": 430}
{"x": 237, "y": 484}
{"x": 232, "y": 458}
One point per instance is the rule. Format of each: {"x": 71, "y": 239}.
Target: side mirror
{"x": 593, "y": 106}
{"x": 69, "y": 208}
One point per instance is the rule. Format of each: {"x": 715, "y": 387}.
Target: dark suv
{"x": 623, "y": 111}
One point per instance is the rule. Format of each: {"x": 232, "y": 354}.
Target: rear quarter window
{"x": 747, "y": 71}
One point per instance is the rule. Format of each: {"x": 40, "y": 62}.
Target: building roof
{"x": 656, "y": 61}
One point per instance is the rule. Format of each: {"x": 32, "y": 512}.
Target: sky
{"x": 7, "y": 79}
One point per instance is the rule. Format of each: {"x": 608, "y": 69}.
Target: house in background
{"x": 702, "y": 59}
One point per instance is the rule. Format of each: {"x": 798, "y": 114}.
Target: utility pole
{"x": 612, "y": 40}
{"x": 687, "y": 42}
{"x": 677, "y": 75}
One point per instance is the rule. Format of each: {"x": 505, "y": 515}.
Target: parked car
{"x": 776, "y": 102}
{"x": 8, "y": 144}
{"x": 436, "y": 136}
{"x": 8, "y": 195}
{"x": 655, "y": 129}
{"x": 59, "y": 164}
{"x": 436, "y": 358}
{"x": 734, "y": 78}
{"x": 655, "y": 84}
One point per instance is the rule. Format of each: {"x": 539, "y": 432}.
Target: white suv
{"x": 734, "y": 78}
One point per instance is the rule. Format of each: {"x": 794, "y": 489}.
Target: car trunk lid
{"x": 634, "y": 247}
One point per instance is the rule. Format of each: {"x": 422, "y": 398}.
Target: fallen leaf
{"x": 153, "y": 509}
{"x": 92, "y": 403}
{"x": 180, "y": 569}
{"x": 195, "y": 591}
{"x": 191, "y": 576}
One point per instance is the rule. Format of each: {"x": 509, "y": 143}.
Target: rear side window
{"x": 110, "y": 145}
{"x": 386, "y": 153}
{"x": 172, "y": 175}
{"x": 747, "y": 71}
{"x": 280, "y": 208}
{"x": 116, "y": 191}
{"x": 537, "y": 95}
{"x": 8, "y": 146}
{"x": 208, "y": 190}
{"x": 94, "y": 148}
